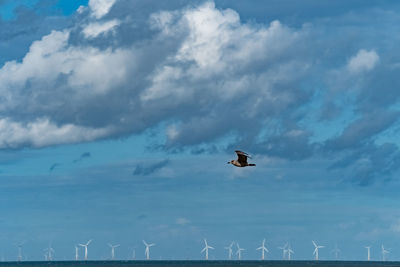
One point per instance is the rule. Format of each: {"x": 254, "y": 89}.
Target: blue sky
{"x": 117, "y": 118}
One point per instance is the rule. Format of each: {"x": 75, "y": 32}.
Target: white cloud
{"x": 198, "y": 65}
{"x": 182, "y": 221}
{"x": 217, "y": 46}
{"x": 363, "y": 61}
{"x": 94, "y": 29}
{"x": 43, "y": 132}
{"x": 100, "y": 8}
{"x": 89, "y": 70}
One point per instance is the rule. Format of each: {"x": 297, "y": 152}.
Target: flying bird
{"x": 242, "y": 159}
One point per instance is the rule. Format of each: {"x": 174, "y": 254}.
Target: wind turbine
{"x": 113, "y": 250}
{"x": 316, "y": 249}
{"x": 369, "y": 253}
{"x": 230, "y": 250}
{"x": 86, "y": 246}
{"x": 289, "y": 252}
{"x": 283, "y": 250}
{"x": 239, "y": 251}
{"x": 206, "y": 248}
{"x": 134, "y": 253}
{"x": 384, "y": 252}
{"x": 263, "y": 249}
{"x": 336, "y": 250}
{"x": 20, "y": 250}
{"x": 147, "y": 250}
{"x": 49, "y": 252}
{"x": 76, "y": 253}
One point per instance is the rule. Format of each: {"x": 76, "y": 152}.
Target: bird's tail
{"x": 251, "y": 164}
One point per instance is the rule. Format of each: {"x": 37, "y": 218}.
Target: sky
{"x": 118, "y": 118}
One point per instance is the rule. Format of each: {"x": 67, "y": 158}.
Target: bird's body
{"x": 242, "y": 159}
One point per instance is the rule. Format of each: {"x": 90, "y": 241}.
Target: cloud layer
{"x": 202, "y": 75}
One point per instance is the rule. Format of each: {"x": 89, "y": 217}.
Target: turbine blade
{"x": 315, "y": 245}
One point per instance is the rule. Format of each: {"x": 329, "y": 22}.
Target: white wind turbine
{"x": 316, "y": 249}
{"x": 384, "y": 252}
{"x": 133, "y": 253}
{"x": 283, "y": 250}
{"x": 289, "y": 252}
{"x": 239, "y": 251}
{"x": 20, "y": 250}
{"x": 49, "y": 252}
{"x": 86, "y": 248}
{"x": 336, "y": 250}
{"x": 206, "y": 248}
{"x": 147, "y": 250}
{"x": 230, "y": 250}
{"x": 263, "y": 250}
{"x": 113, "y": 250}
{"x": 368, "y": 253}
{"x": 76, "y": 253}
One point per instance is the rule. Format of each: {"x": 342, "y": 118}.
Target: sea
{"x": 199, "y": 263}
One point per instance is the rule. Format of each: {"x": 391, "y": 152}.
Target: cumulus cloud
{"x": 199, "y": 74}
{"x": 100, "y": 8}
{"x": 94, "y": 29}
{"x": 42, "y": 132}
{"x": 196, "y": 67}
{"x": 363, "y": 61}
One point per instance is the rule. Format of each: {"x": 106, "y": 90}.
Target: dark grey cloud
{"x": 147, "y": 169}
{"x": 28, "y": 25}
{"x": 82, "y": 156}
{"x": 362, "y": 130}
{"x": 370, "y": 164}
{"x": 53, "y": 166}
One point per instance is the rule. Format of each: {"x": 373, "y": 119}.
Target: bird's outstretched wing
{"x": 242, "y": 156}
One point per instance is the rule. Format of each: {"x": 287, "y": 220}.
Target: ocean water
{"x": 184, "y": 263}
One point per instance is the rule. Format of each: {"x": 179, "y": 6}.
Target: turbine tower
{"x": 263, "y": 250}
{"x": 76, "y": 253}
{"x": 113, "y": 250}
{"x": 283, "y": 251}
{"x": 20, "y": 250}
{"x": 336, "y": 250}
{"x": 49, "y": 253}
{"x": 239, "y": 251}
{"x": 384, "y": 252}
{"x": 86, "y": 248}
{"x": 316, "y": 249}
{"x": 230, "y": 250}
{"x": 133, "y": 254}
{"x": 368, "y": 253}
{"x": 147, "y": 250}
{"x": 206, "y": 248}
{"x": 289, "y": 252}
